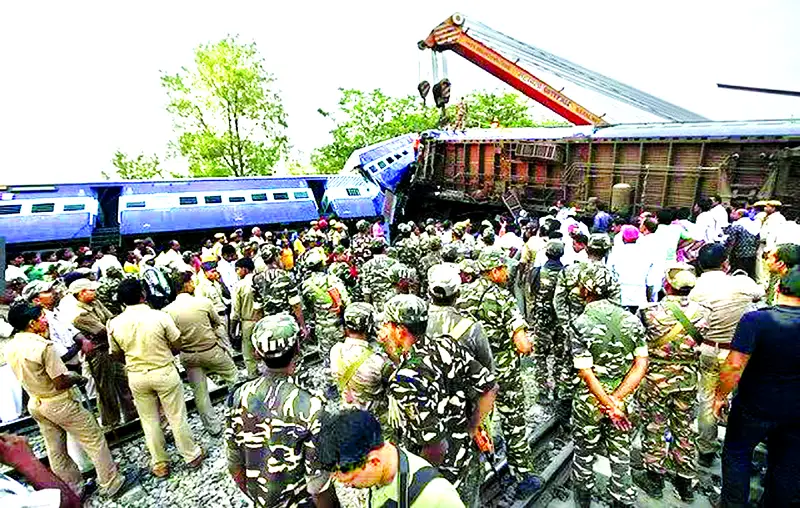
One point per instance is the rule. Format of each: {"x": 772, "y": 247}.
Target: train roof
{"x": 667, "y": 130}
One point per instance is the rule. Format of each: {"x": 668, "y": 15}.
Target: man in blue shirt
{"x": 602, "y": 219}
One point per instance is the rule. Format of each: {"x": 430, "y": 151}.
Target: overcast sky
{"x": 81, "y": 79}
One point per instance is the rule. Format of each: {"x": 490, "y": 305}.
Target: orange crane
{"x": 476, "y": 43}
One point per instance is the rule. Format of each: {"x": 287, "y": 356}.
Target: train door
{"x": 318, "y": 189}
{"x": 108, "y": 208}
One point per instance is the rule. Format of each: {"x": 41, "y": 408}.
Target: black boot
{"x": 650, "y": 482}
{"x": 583, "y": 498}
{"x": 684, "y": 488}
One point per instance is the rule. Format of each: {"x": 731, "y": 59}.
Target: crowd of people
{"x": 396, "y": 366}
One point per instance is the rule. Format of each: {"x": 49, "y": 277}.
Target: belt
{"x": 66, "y": 394}
{"x": 200, "y": 350}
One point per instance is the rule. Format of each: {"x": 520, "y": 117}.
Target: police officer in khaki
{"x": 201, "y": 353}
{"x": 53, "y": 404}
{"x": 149, "y": 339}
{"x": 247, "y": 311}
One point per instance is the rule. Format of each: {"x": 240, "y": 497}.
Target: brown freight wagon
{"x": 663, "y": 165}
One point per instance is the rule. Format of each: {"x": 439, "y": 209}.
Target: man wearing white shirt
{"x": 172, "y": 256}
{"x": 106, "y": 259}
{"x": 226, "y": 267}
{"x": 720, "y": 212}
{"x": 14, "y": 270}
{"x": 741, "y": 218}
{"x": 631, "y": 265}
{"x": 510, "y": 240}
{"x": 706, "y": 226}
{"x": 575, "y": 250}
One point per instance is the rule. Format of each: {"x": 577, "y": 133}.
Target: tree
{"x": 364, "y": 118}
{"x": 229, "y": 119}
{"x": 142, "y": 167}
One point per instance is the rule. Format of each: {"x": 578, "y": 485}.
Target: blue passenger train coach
{"x": 35, "y": 215}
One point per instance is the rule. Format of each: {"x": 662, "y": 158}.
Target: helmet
{"x": 275, "y": 335}
{"x": 434, "y": 243}
{"x": 377, "y": 243}
{"x": 315, "y": 257}
{"x": 404, "y": 228}
{"x": 400, "y": 271}
{"x": 554, "y": 249}
{"x": 359, "y": 317}
{"x": 406, "y": 310}
{"x": 490, "y": 258}
{"x": 362, "y": 226}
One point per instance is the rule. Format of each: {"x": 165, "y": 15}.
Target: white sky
{"x": 81, "y": 79}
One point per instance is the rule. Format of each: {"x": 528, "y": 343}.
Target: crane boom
{"x": 477, "y": 42}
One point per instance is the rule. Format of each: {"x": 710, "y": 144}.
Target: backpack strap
{"x": 678, "y": 314}
{"x": 352, "y": 369}
{"x": 420, "y": 480}
{"x": 461, "y": 328}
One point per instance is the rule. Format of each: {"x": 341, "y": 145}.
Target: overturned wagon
{"x": 663, "y": 164}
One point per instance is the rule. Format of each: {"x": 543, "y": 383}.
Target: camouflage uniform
{"x": 375, "y": 282}
{"x": 669, "y": 390}
{"x": 432, "y": 258}
{"x": 349, "y": 276}
{"x": 271, "y": 426}
{"x": 607, "y": 337}
{"x": 496, "y": 309}
{"x": 435, "y": 386}
{"x": 550, "y": 342}
{"x": 325, "y": 297}
{"x": 273, "y": 288}
{"x": 404, "y": 279}
{"x": 407, "y": 247}
{"x": 107, "y": 291}
{"x": 360, "y": 243}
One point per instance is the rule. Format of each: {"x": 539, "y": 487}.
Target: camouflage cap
{"x": 377, "y": 243}
{"x": 443, "y": 280}
{"x": 450, "y": 252}
{"x": 362, "y": 225}
{"x": 359, "y": 317}
{"x": 554, "y": 249}
{"x": 407, "y": 310}
{"x": 269, "y": 251}
{"x": 32, "y": 289}
{"x": 434, "y": 243}
{"x": 596, "y": 279}
{"x": 490, "y": 258}
{"x": 469, "y": 266}
{"x": 314, "y": 257}
{"x": 400, "y": 271}
{"x": 404, "y": 228}
{"x": 487, "y": 233}
{"x": 599, "y": 241}
{"x": 681, "y": 276}
{"x": 275, "y": 335}
{"x": 114, "y": 272}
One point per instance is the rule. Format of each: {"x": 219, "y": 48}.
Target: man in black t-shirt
{"x": 765, "y": 364}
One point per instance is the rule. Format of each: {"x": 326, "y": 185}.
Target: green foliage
{"x": 142, "y": 167}
{"x": 229, "y": 119}
{"x": 364, "y": 118}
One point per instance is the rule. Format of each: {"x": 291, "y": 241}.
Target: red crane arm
{"x": 450, "y": 35}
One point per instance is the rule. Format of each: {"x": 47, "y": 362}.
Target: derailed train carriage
{"x": 659, "y": 165}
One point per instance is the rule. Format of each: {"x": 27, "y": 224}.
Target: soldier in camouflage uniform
{"x": 569, "y": 305}
{"x": 468, "y": 269}
{"x": 668, "y": 394}
{"x": 107, "y": 291}
{"x": 610, "y": 354}
{"x": 550, "y": 344}
{"x": 433, "y": 257}
{"x": 274, "y": 290}
{"x": 376, "y": 286}
{"x": 360, "y": 243}
{"x": 404, "y": 279}
{"x": 487, "y": 301}
{"x": 440, "y": 390}
{"x": 272, "y": 424}
{"x": 325, "y": 297}
{"x": 407, "y": 246}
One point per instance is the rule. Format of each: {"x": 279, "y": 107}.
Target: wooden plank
{"x": 700, "y": 167}
{"x": 667, "y": 175}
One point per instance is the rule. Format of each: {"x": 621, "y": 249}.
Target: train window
{"x": 188, "y": 200}
{"x": 236, "y": 199}
{"x": 10, "y": 209}
{"x": 135, "y": 204}
{"x": 301, "y": 195}
{"x": 405, "y": 152}
{"x": 259, "y": 197}
{"x": 352, "y": 191}
{"x": 397, "y": 156}
{"x": 389, "y": 159}
{"x": 74, "y": 208}
{"x": 372, "y": 168}
{"x": 43, "y": 207}
{"x": 381, "y": 164}
{"x": 281, "y": 196}
{"x": 212, "y": 200}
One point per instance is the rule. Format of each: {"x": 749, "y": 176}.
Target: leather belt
{"x": 200, "y": 350}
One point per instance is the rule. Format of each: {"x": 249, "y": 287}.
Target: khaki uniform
{"x": 147, "y": 337}
{"x": 35, "y": 364}
{"x": 201, "y": 353}
{"x": 109, "y": 376}
{"x": 213, "y": 291}
{"x": 248, "y": 312}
